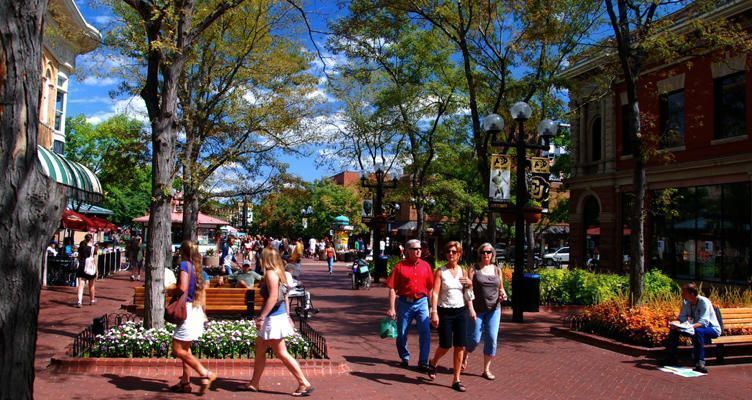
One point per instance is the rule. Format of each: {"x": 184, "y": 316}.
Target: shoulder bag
{"x": 176, "y": 311}
{"x": 90, "y": 265}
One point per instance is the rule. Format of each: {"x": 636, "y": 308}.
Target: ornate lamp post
{"x": 494, "y": 125}
{"x": 382, "y": 182}
{"x": 304, "y": 214}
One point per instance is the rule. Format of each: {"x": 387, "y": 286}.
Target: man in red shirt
{"x": 410, "y": 287}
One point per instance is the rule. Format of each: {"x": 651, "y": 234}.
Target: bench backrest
{"x": 735, "y": 318}
{"x": 216, "y": 298}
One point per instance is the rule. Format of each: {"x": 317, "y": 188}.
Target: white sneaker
{"x": 133, "y": 277}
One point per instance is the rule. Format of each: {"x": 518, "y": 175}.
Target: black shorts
{"x": 453, "y": 325}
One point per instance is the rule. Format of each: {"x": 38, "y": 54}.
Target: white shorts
{"x": 193, "y": 327}
{"x": 276, "y": 327}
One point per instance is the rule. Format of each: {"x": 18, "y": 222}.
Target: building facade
{"x": 695, "y": 116}
{"x": 66, "y": 35}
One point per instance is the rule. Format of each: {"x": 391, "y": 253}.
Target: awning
{"x": 204, "y": 221}
{"x": 102, "y": 224}
{"x": 81, "y": 182}
{"x": 89, "y": 209}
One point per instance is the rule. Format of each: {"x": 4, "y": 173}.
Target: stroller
{"x": 361, "y": 274}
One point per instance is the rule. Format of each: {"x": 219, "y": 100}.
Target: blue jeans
{"x": 486, "y": 327}
{"x": 330, "y": 263}
{"x": 699, "y": 339}
{"x": 406, "y": 312}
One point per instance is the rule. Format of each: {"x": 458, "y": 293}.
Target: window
{"x": 60, "y": 102}
{"x": 627, "y": 144}
{"x": 595, "y": 142}
{"x": 672, "y": 119}
{"x": 58, "y": 147}
{"x": 730, "y": 106}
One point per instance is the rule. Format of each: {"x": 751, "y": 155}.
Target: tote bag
{"x": 90, "y": 266}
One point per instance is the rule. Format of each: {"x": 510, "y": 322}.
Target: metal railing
{"x": 317, "y": 340}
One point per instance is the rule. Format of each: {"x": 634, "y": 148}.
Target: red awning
{"x": 103, "y": 224}
{"x": 596, "y": 231}
{"x": 177, "y": 218}
{"x": 77, "y": 222}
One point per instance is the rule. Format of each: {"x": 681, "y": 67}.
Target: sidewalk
{"x": 531, "y": 364}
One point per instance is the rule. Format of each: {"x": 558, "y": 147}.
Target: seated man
{"x": 247, "y": 277}
{"x": 699, "y": 313}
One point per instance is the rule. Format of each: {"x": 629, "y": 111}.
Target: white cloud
{"x": 99, "y": 81}
{"x": 133, "y": 107}
{"x": 103, "y": 19}
{"x": 90, "y": 100}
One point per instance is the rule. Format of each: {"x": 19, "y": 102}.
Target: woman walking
{"x": 449, "y": 312}
{"x": 86, "y": 251}
{"x": 274, "y": 324}
{"x": 488, "y": 287}
{"x": 191, "y": 282}
{"x": 331, "y": 256}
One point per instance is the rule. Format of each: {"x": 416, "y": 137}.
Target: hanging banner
{"x": 540, "y": 169}
{"x": 499, "y": 179}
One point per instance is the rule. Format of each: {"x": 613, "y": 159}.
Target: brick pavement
{"x": 531, "y": 364}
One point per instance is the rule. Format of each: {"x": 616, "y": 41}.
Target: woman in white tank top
{"x": 449, "y": 312}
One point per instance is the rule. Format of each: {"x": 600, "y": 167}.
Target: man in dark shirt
{"x": 410, "y": 287}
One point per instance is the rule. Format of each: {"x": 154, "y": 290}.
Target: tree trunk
{"x": 164, "y": 138}
{"x": 637, "y": 274}
{"x": 30, "y": 206}
{"x": 421, "y": 216}
{"x": 190, "y": 214}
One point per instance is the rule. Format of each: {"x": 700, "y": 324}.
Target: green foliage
{"x": 116, "y": 151}
{"x": 577, "y": 286}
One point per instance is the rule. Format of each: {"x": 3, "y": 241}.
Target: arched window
{"x": 596, "y": 140}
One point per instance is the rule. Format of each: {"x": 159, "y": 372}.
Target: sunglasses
{"x": 452, "y": 252}
{"x": 486, "y": 252}
{"x": 415, "y": 248}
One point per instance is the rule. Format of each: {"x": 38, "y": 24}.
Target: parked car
{"x": 557, "y": 257}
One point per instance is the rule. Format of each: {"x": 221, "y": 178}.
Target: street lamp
{"x": 304, "y": 214}
{"x": 494, "y": 124}
{"x": 382, "y": 182}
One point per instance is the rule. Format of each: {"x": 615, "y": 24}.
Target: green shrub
{"x": 659, "y": 284}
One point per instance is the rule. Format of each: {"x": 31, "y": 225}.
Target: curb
{"x": 172, "y": 366}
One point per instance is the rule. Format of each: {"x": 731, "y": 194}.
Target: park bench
{"x": 732, "y": 318}
{"x": 224, "y": 301}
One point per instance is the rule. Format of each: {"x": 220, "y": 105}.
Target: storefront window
{"x": 703, "y": 232}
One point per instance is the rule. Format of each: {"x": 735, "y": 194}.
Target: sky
{"x": 90, "y": 95}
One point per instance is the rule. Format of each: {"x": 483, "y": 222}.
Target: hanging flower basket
{"x": 533, "y": 215}
{"x": 508, "y": 218}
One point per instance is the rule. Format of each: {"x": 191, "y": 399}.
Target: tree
{"x": 30, "y": 204}
{"x": 645, "y": 32}
{"x": 416, "y": 87}
{"x": 242, "y": 96}
{"x": 168, "y": 32}
{"x": 116, "y": 151}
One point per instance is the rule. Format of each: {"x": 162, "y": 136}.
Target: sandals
{"x": 249, "y": 388}
{"x": 303, "y": 391}
{"x": 488, "y": 376}
{"x": 458, "y": 386}
{"x": 431, "y": 370}
{"x": 181, "y": 387}
{"x": 206, "y": 382}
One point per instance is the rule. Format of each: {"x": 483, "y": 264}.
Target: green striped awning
{"x": 83, "y": 184}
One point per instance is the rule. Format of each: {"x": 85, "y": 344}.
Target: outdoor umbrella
{"x": 76, "y": 221}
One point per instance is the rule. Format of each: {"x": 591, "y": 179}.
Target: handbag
{"x": 468, "y": 293}
{"x": 90, "y": 266}
{"x": 176, "y": 311}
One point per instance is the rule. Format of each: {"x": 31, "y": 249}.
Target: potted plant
{"x": 210, "y": 259}
{"x": 507, "y": 217}
{"x": 533, "y": 212}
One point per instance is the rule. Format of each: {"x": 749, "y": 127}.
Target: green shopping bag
{"x": 388, "y": 328}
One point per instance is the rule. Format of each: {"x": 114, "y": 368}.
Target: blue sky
{"x": 90, "y": 95}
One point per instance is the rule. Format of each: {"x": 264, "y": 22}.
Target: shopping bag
{"x": 388, "y": 328}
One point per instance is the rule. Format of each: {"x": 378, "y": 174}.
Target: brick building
{"x": 696, "y": 112}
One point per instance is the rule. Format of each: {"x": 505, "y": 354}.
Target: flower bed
{"x": 222, "y": 339}
{"x": 647, "y": 325}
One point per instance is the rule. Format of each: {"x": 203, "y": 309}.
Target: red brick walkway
{"x": 531, "y": 364}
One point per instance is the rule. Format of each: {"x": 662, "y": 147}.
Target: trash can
{"x": 530, "y": 292}
{"x": 381, "y": 267}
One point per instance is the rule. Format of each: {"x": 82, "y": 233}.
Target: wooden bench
{"x": 732, "y": 318}
{"x": 239, "y": 302}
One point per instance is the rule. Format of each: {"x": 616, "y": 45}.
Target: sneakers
{"x": 700, "y": 367}
{"x": 133, "y": 277}
{"x": 93, "y": 301}
{"x": 77, "y": 304}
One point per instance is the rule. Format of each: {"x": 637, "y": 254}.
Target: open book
{"x": 684, "y": 327}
